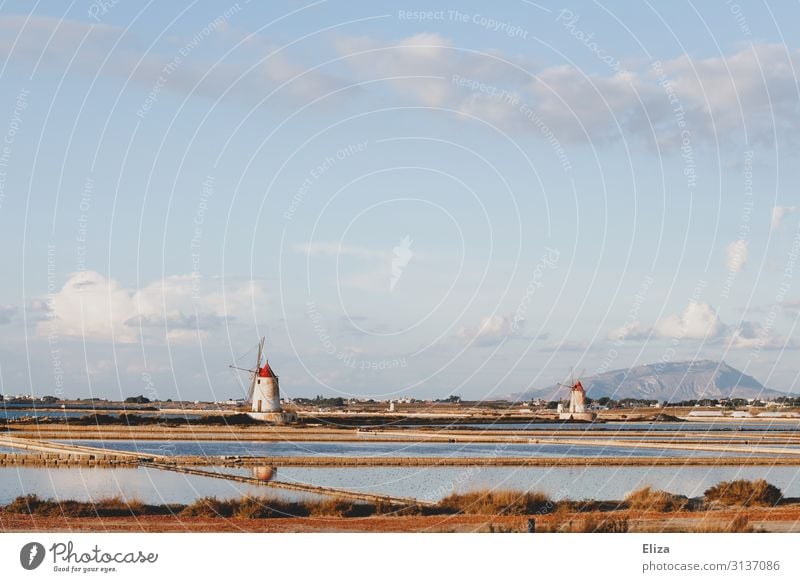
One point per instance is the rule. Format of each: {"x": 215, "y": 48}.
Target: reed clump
{"x": 744, "y": 493}
{"x": 109, "y": 507}
{"x": 647, "y": 499}
{"x": 502, "y": 502}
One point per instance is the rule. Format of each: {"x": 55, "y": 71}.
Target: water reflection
{"x": 265, "y": 473}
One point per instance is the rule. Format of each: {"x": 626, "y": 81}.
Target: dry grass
{"x": 597, "y": 525}
{"x": 564, "y": 516}
{"x": 265, "y": 508}
{"x": 647, "y": 499}
{"x": 208, "y": 507}
{"x": 111, "y": 507}
{"x": 566, "y": 521}
{"x": 739, "y": 524}
{"x": 342, "y": 508}
{"x": 744, "y": 493}
{"x": 497, "y": 503}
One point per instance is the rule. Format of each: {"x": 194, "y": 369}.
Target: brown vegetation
{"x": 597, "y": 525}
{"x": 739, "y": 524}
{"x": 493, "y": 511}
{"x": 497, "y": 503}
{"x": 647, "y": 499}
{"x": 112, "y": 507}
{"x": 745, "y": 493}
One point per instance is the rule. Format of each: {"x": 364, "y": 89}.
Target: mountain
{"x": 671, "y": 382}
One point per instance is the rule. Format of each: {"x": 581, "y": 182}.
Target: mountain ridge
{"x": 670, "y": 382}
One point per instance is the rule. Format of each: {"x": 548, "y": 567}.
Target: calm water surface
{"x": 384, "y": 449}
{"x": 609, "y": 483}
{"x": 147, "y": 485}
{"x": 724, "y": 426}
{"x": 429, "y": 483}
{"x": 12, "y": 414}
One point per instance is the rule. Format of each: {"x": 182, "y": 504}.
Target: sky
{"x": 407, "y": 199}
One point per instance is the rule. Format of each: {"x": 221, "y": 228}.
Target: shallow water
{"x": 604, "y": 483}
{"x": 12, "y": 414}
{"x": 384, "y": 449}
{"x": 142, "y": 484}
{"x": 724, "y": 426}
{"x": 428, "y": 483}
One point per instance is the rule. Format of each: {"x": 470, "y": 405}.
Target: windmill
{"x": 263, "y": 395}
{"x": 577, "y": 401}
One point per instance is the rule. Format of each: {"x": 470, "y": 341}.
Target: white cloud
{"x": 750, "y": 335}
{"x": 629, "y": 331}
{"x": 736, "y": 254}
{"x": 427, "y": 56}
{"x": 752, "y": 90}
{"x": 420, "y": 55}
{"x": 492, "y": 330}
{"x": 697, "y": 321}
{"x": 113, "y": 50}
{"x": 176, "y": 308}
{"x": 778, "y": 214}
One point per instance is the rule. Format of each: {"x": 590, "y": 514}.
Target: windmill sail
{"x": 255, "y": 372}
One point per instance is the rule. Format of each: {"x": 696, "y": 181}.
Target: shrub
{"x": 745, "y": 493}
{"x": 252, "y": 508}
{"x": 647, "y": 499}
{"x": 267, "y": 507}
{"x": 208, "y": 507}
{"x": 112, "y": 507}
{"x": 497, "y": 503}
{"x": 338, "y": 507}
{"x": 119, "y": 507}
{"x": 25, "y": 504}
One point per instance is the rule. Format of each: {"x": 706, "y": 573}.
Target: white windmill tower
{"x": 577, "y": 402}
{"x": 264, "y": 397}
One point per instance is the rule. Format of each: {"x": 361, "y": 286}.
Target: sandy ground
{"x": 768, "y": 520}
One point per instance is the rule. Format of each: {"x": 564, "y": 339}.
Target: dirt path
{"x": 765, "y": 519}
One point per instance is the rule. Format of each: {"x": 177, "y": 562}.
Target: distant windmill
{"x": 577, "y": 401}
{"x": 263, "y": 395}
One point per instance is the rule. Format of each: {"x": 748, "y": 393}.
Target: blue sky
{"x": 406, "y": 199}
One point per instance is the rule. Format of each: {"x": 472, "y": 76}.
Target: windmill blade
{"x": 568, "y": 381}
{"x": 252, "y": 387}
{"x": 256, "y": 372}
{"x": 260, "y": 353}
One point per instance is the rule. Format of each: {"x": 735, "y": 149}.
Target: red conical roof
{"x": 266, "y": 372}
